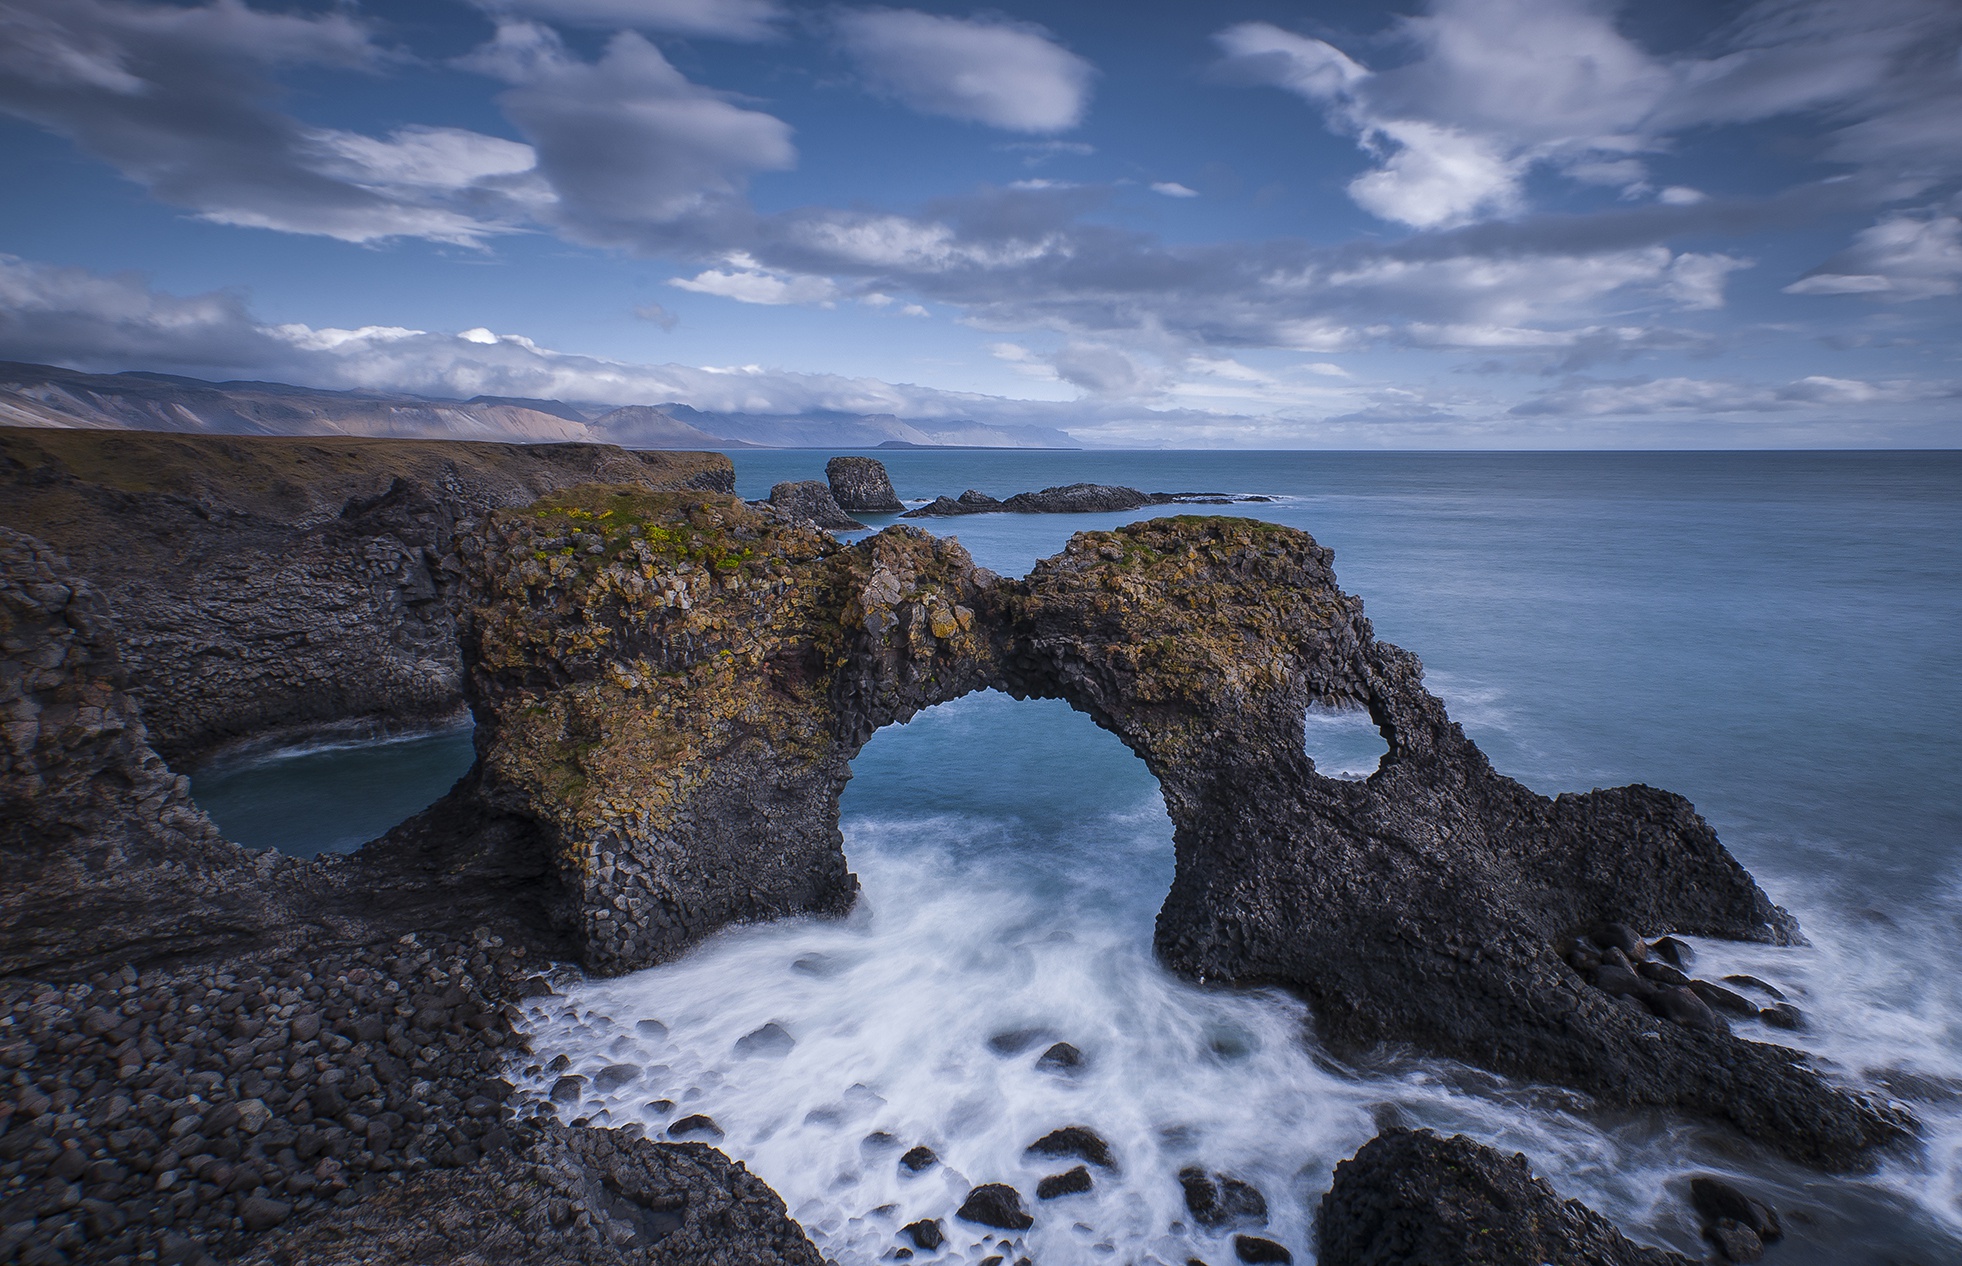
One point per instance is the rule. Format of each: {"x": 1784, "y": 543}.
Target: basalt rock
{"x": 104, "y": 856}
{"x": 262, "y": 585}
{"x": 1410, "y": 1196}
{"x": 812, "y": 502}
{"x": 861, "y": 485}
{"x": 670, "y": 707}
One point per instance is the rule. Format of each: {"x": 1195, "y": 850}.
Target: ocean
{"x": 1774, "y": 635}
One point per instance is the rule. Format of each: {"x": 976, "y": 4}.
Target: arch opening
{"x": 1343, "y": 740}
{"x": 995, "y": 983}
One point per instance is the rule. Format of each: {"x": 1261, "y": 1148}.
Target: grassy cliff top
{"x": 49, "y": 479}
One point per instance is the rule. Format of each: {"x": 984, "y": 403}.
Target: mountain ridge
{"x": 35, "y": 395}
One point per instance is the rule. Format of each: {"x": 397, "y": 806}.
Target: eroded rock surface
{"x": 669, "y": 688}
{"x": 861, "y": 485}
{"x": 273, "y": 583}
{"x": 1409, "y": 1196}
{"x": 104, "y": 855}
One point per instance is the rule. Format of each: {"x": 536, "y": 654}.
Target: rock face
{"x": 1410, "y": 1196}
{"x": 669, "y": 689}
{"x": 103, "y": 853}
{"x": 264, "y": 584}
{"x": 812, "y": 501}
{"x": 861, "y": 485}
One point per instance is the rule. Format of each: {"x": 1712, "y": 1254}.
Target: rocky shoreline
{"x": 213, "y": 1054}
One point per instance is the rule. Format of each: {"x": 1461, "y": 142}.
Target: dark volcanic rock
{"x": 1255, "y": 1249}
{"x": 919, "y": 1159}
{"x": 1425, "y": 905}
{"x": 1215, "y": 1200}
{"x": 102, "y": 854}
{"x": 1410, "y": 1196}
{"x": 1075, "y": 1140}
{"x": 1069, "y": 1183}
{"x": 1060, "y": 1058}
{"x": 812, "y": 501}
{"x": 262, "y": 584}
{"x": 997, "y": 1205}
{"x": 1718, "y": 1201}
{"x": 594, "y": 1197}
{"x": 860, "y": 485}
{"x": 925, "y": 1233}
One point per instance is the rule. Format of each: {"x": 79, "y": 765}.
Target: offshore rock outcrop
{"x": 1411, "y": 1197}
{"x": 1066, "y": 499}
{"x": 669, "y": 688}
{"x": 811, "y": 500}
{"x": 266, "y": 584}
{"x": 862, "y": 486}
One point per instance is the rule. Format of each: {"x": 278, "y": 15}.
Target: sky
{"x": 1440, "y": 224}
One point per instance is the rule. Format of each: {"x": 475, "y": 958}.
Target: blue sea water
{"x": 1775, "y": 636}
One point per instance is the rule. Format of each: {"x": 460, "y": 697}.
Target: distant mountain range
{"x": 45, "y": 395}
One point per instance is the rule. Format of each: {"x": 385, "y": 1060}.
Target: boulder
{"x": 997, "y": 1205}
{"x": 1411, "y": 1196}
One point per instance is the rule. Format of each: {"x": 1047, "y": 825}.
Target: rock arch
{"x": 669, "y": 688}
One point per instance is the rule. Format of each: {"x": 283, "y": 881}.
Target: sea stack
{"x": 861, "y": 486}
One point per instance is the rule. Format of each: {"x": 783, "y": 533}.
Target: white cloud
{"x": 1173, "y": 189}
{"x": 1718, "y": 396}
{"x": 1436, "y": 176}
{"x": 746, "y": 282}
{"x": 1498, "y": 87}
{"x": 629, "y": 145}
{"x": 725, "y": 19}
{"x": 175, "y": 98}
{"x": 1902, "y": 257}
{"x": 1005, "y": 74}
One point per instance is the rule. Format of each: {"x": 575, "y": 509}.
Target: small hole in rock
{"x": 1343, "y": 741}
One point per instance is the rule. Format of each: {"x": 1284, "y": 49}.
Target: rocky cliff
{"x": 669, "y": 688}
{"x": 268, "y": 584}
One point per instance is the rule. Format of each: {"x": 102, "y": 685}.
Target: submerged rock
{"x": 1411, "y": 1196}
{"x": 1060, "y": 1058}
{"x": 1217, "y": 1200}
{"x": 860, "y": 485}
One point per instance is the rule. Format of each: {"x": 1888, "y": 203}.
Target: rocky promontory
{"x": 1067, "y": 499}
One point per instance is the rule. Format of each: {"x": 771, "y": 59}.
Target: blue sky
{"x": 1460, "y": 223}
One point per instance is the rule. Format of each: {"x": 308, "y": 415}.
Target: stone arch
{"x": 669, "y": 688}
